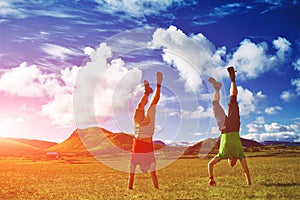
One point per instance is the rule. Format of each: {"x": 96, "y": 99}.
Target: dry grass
{"x": 274, "y": 177}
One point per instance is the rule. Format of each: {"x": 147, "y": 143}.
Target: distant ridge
{"x": 212, "y": 145}
{"x": 35, "y": 143}
{"x": 281, "y": 143}
{"x": 10, "y": 147}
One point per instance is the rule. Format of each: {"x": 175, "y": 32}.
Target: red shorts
{"x": 142, "y": 154}
{"x": 140, "y": 146}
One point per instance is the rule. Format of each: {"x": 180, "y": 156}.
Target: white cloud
{"x": 275, "y": 127}
{"x": 254, "y": 128}
{"x": 251, "y": 60}
{"x": 260, "y": 131}
{"x": 296, "y": 82}
{"x": 194, "y": 56}
{"x": 104, "y": 88}
{"x": 278, "y": 136}
{"x": 113, "y": 92}
{"x": 260, "y": 120}
{"x": 199, "y": 113}
{"x": 288, "y": 96}
{"x": 214, "y": 130}
{"x": 296, "y": 65}
{"x": 59, "y": 52}
{"x": 191, "y": 55}
{"x": 55, "y": 90}
{"x": 7, "y": 9}
{"x": 138, "y": 8}
{"x": 283, "y": 47}
{"x": 197, "y": 133}
{"x": 273, "y": 110}
{"x": 28, "y": 81}
{"x": 59, "y": 110}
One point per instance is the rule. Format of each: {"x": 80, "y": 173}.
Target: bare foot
{"x": 159, "y": 78}
{"x": 231, "y": 72}
{"x": 217, "y": 85}
{"x": 148, "y": 89}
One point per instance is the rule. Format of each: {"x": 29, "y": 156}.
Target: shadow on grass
{"x": 281, "y": 184}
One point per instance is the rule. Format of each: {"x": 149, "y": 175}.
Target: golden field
{"x": 275, "y": 175}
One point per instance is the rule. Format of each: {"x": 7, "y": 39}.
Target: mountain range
{"x": 99, "y": 140}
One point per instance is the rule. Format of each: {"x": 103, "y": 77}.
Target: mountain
{"x": 97, "y": 140}
{"x": 35, "y": 143}
{"x": 212, "y": 146}
{"x": 11, "y": 147}
{"x": 281, "y": 143}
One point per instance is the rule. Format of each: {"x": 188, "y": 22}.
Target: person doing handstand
{"x": 230, "y": 142}
{"x": 142, "y": 149}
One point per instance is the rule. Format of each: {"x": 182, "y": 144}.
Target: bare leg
{"x": 210, "y": 169}
{"x": 217, "y": 109}
{"x": 233, "y": 88}
{"x": 131, "y": 176}
{"x": 156, "y": 95}
{"x": 144, "y": 100}
{"x": 153, "y": 175}
{"x": 139, "y": 113}
{"x": 246, "y": 170}
{"x": 217, "y": 86}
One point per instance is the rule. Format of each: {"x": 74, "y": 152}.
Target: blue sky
{"x": 69, "y": 64}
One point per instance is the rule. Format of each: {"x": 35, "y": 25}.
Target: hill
{"x": 10, "y": 147}
{"x": 212, "y": 146}
{"x": 35, "y": 143}
{"x": 97, "y": 140}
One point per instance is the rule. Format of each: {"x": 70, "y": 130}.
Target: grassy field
{"x": 274, "y": 177}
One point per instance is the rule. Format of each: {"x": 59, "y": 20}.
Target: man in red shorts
{"x": 230, "y": 143}
{"x": 142, "y": 149}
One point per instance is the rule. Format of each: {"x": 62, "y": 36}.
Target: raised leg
{"x": 233, "y": 88}
{"x": 217, "y": 109}
{"x": 156, "y": 95}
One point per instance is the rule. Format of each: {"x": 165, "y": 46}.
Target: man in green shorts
{"x": 230, "y": 143}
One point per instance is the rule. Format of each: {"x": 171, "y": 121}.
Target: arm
{"x": 210, "y": 167}
{"x": 246, "y": 170}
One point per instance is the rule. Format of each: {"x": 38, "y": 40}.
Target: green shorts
{"x": 231, "y": 146}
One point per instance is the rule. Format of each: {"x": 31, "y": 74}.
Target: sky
{"x": 76, "y": 64}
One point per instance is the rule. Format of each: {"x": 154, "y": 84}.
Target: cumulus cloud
{"x": 191, "y": 55}
{"x": 252, "y": 59}
{"x": 257, "y": 125}
{"x": 194, "y": 55}
{"x": 199, "y": 113}
{"x": 249, "y": 101}
{"x": 59, "y": 110}
{"x": 28, "y": 81}
{"x": 55, "y": 89}
{"x": 296, "y": 65}
{"x": 288, "y": 96}
{"x": 103, "y": 88}
{"x": 273, "y": 110}
{"x": 260, "y": 131}
{"x": 279, "y": 136}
